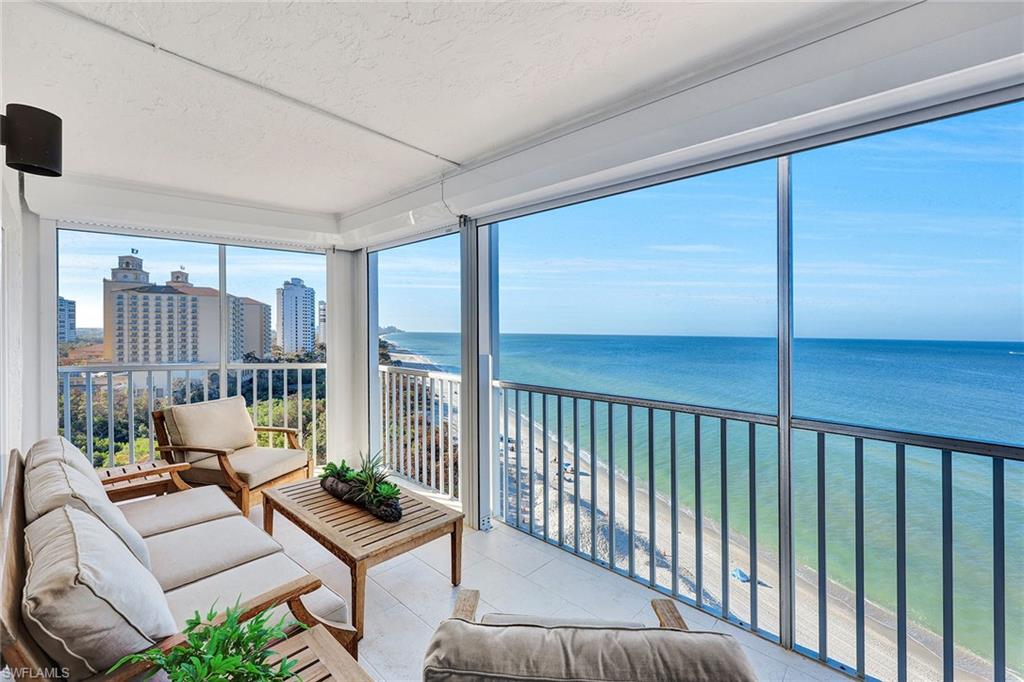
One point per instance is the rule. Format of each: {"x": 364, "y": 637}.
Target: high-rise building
{"x": 176, "y": 321}
{"x": 321, "y": 322}
{"x": 296, "y": 316}
{"x": 249, "y": 327}
{"x": 66, "y": 329}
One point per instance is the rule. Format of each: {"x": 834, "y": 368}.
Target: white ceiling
{"x": 464, "y": 81}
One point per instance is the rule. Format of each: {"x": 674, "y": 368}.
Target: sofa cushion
{"x": 54, "y": 484}
{"x": 60, "y": 449}
{"x": 87, "y": 600}
{"x": 250, "y": 580}
{"x": 254, "y": 465}
{"x": 553, "y": 621}
{"x": 461, "y": 650}
{"x": 215, "y": 423}
{"x": 163, "y": 513}
{"x": 195, "y": 552}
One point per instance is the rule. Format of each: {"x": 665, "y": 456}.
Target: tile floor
{"x": 409, "y": 595}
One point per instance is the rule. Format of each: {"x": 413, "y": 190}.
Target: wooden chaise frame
{"x": 25, "y": 659}
{"x": 665, "y": 609}
{"x": 244, "y": 496}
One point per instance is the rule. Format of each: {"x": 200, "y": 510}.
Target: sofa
{"x": 87, "y": 581}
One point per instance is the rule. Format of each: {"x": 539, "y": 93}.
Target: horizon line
{"x": 722, "y": 336}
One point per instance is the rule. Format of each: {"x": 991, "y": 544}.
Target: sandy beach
{"x": 924, "y": 661}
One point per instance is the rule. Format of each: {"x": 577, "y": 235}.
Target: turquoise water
{"x": 966, "y": 389}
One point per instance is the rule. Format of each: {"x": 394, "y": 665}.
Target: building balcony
{"x": 794, "y": 230}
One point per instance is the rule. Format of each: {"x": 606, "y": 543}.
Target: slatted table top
{"x": 319, "y": 658}
{"x": 352, "y": 529}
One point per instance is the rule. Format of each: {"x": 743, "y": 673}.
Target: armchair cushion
{"x": 58, "y": 448}
{"x": 189, "y": 554}
{"x": 155, "y": 515}
{"x": 87, "y": 600}
{"x": 215, "y": 423}
{"x": 54, "y": 484}
{"x": 254, "y": 465}
{"x": 462, "y": 650}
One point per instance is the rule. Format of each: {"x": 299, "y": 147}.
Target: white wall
{"x": 347, "y": 434}
{"x": 29, "y": 322}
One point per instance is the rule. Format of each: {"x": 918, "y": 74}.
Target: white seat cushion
{"x": 195, "y": 552}
{"x": 164, "y": 513}
{"x": 88, "y": 601}
{"x": 251, "y": 580}
{"x": 254, "y": 465}
{"x": 54, "y": 484}
{"x": 63, "y": 450}
{"x": 221, "y": 424}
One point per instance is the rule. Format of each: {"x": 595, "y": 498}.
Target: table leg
{"x": 358, "y": 597}
{"x": 457, "y": 553}
{"x": 268, "y": 517}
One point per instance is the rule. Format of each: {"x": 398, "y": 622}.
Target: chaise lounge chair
{"x": 503, "y": 647}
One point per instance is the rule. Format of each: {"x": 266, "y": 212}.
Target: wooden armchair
{"x": 218, "y": 439}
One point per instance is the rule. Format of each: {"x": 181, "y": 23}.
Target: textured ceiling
{"x": 462, "y": 80}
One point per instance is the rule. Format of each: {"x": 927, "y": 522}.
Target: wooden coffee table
{"x": 360, "y": 539}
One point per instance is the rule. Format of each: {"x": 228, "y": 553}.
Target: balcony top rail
{"x": 913, "y": 439}
{"x": 184, "y": 366}
{"x": 909, "y": 438}
{"x": 644, "y": 403}
{"x": 425, "y": 373}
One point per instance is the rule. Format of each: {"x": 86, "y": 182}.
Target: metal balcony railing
{"x": 106, "y": 409}
{"x": 420, "y": 426}
{"x": 661, "y": 493}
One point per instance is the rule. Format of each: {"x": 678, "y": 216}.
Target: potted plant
{"x": 226, "y": 651}
{"x": 366, "y": 486}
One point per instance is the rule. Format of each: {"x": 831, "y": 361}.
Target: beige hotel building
{"x": 146, "y": 323}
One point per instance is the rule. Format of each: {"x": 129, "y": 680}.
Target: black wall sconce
{"x": 33, "y": 140}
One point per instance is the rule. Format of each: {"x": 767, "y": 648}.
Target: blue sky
{"x": 85, "y": 258}
{"x": 916, "y": 233}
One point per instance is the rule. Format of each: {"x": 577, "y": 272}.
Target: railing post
{"x": 784, "y": 240}
{"x": 225, "y": 324}
{"x": 479, "y": 367}
{"x": 374, "y": 397}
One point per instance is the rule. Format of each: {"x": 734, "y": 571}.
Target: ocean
{"x": 966, "y": 389}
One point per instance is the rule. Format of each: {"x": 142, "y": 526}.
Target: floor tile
{"x": 438, "y": 554}
{"x": 394, "y": 644}
{"x": 389, "y": 564}
{"x": 602, "y": 595}
{"x": 521, "y": 556}
{"x": 338, "y": 578}
{"x": 509, "y": 591}
{"x": 768, "y": 669}
{"x": 423, "y": 590}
